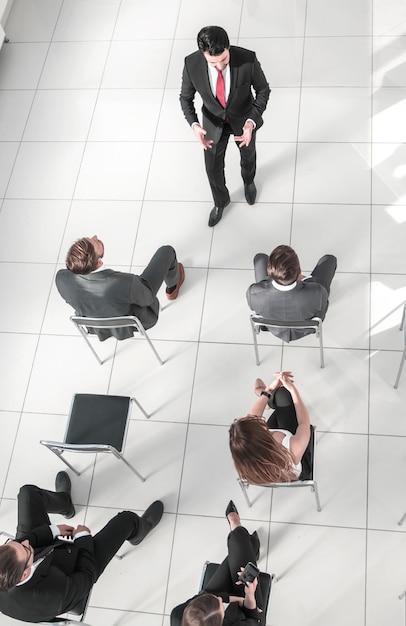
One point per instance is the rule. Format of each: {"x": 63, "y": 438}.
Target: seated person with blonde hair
{"x": 276, "y": 450}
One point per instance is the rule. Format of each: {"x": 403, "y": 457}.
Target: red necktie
{"x": 220, "y": 89}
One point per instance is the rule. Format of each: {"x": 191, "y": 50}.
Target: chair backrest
{"x": 259, "y": 323}
{"x": 124, "y": 321}
{"x": 265, "y": 581}
{"x": 314, "y": 324}
{"x": 110, "y": 323}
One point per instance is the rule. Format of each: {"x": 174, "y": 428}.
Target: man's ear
{"x": 99, "y": 263}
{"x": 26, "y": 573}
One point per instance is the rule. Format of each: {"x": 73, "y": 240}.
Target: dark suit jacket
{"x": 62, "y": 579}
{"x": 234, "y": 614}
{"x": 308, "y": 299}
{"x": 108, "y": 293}
{"x": 241, "y": 104}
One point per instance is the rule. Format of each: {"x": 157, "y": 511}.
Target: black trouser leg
{"x": 214, "y": 159}
{"x": 108, "y": 541}
{"x": 284, "y": 415}
{"x": 162, "y": 267}
{"x": 34, "y": 504}
{"x": 248, "y": 160}
{"x": 260, "y": 266}
{"x": 324, "y": 271}
{"x": 240, "y": 551}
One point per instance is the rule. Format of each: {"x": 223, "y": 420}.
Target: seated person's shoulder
{"x": 262, "y": 285}
{"x": 310, "y": 284}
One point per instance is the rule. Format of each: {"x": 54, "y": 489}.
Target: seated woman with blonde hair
{"x": 275, "y": 451}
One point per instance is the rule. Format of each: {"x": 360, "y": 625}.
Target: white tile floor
{"x": 90, "y": 132}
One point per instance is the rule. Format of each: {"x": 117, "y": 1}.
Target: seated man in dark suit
{"x": 96, "y": 291}
{"x": 282, "y": 293}
{"x": 42, "y": 576}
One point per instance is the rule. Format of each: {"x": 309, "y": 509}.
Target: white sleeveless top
{"x": 297, "y": 469}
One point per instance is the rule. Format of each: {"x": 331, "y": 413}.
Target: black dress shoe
{"x": 64, "y": 485}
{"x": 148, "y": 521}
{"x": 216, "y": 214}
{"x": 250, "y": 193}
{"x": 231, "y": 508}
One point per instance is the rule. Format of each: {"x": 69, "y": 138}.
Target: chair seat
{"x": 98, "y": 419}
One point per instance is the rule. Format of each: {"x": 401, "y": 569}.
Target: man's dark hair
{"x": 283, "y": 265}
{"x": 11, "y": 567}
{"x": 213, "y": 39}
{"x": 82, "y": 257}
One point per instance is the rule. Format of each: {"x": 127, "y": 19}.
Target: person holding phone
{"x": 277, "y": 450}
{"x": 225, "y": 586}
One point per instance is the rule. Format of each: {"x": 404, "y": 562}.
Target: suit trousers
{"x": 323, "y": 273}
{"x": 163, "y": 267}
{"x": 34, "y": 504}
{"x": 214, "y": 159}
{"x": 240, "y": 551}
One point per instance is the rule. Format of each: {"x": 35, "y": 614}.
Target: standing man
{"x": 42, "y": 576}
{"x": 224, "y": 76}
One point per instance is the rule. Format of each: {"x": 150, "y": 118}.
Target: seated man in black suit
{"x": 42, "y": 577}
{"x": 282, "y": 293}
{"x": 96, "y": 291}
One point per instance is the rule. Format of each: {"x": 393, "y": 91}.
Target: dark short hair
{"x": 283, "y": 265}
{"x": 213, "y": 39}
{"x": 11, "y": 567}
{"x": 82, "y": 257}
{"x": 204, "y": 610}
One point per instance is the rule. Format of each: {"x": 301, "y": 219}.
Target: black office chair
{"x": 96, "y": 423}
{"x": 265, "y": 581}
